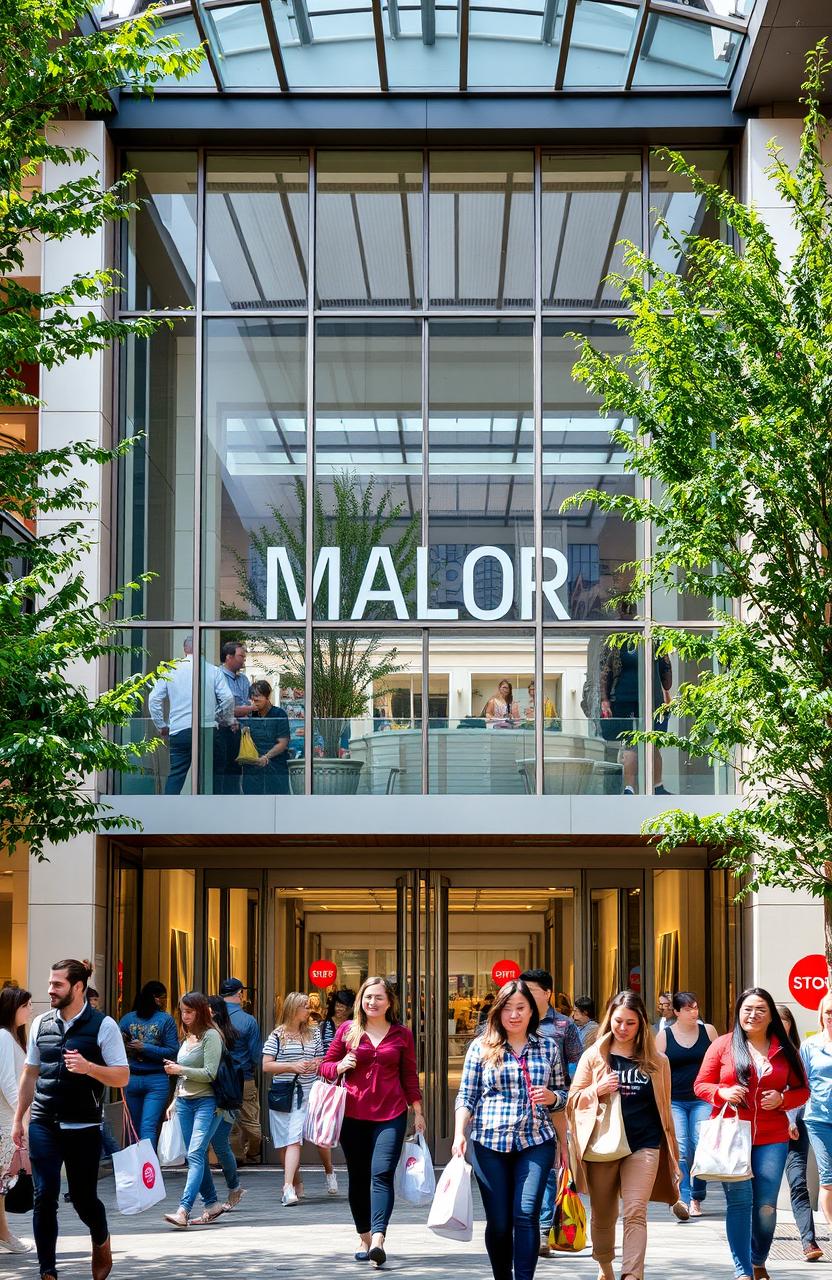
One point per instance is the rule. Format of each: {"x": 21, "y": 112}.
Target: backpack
{"x": 228, "y": 1084}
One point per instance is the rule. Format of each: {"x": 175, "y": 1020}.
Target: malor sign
{"x": 380, "y": 566}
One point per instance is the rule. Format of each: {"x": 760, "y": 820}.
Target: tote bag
{"x": 325, "y": 1113}
{"x": 415, "y": 1181}
{"x": 723, "y": 1152}
{"x": 568, "y": 1233}
{"x": 609, "y": 1140}
{"x": 139, "y": 1183}
{"x": 452, "y": 1212}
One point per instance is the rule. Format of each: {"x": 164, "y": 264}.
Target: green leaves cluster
{"x": 730, "y": 378}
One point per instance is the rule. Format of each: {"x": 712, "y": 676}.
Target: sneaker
{"x": 332, "y": 1184}
{"x": 628, "y": 791}
{"x": 661, "y": 791}
{"x": 289, "y": 1196}
{"x": 13, "y": 1245}
{"x": 680, "y": 1211}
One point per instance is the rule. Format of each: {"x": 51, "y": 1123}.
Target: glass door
{"x": 614, "y": 934}
{"x": 232, "y": 933}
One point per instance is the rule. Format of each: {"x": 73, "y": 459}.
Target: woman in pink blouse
{"x": 379, "y": 1054}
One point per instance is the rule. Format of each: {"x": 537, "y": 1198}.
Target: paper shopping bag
{"x": 723, "y": 1152}
{"x": 325, "y": 1113}
{"x": 452, "y": 1212}
{"x": 139, "y": 1183}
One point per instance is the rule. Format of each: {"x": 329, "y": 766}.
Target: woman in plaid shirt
{"x": 511, "y": 1082}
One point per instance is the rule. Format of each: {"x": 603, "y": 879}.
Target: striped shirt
{"x": 503, "y": 1115}
{"x": 288, "y": 1048}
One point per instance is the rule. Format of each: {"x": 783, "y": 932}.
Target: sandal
{"x": 208, "y": 1215}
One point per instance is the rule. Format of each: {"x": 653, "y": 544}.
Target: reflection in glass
{"x": 685, "y": 212}
{"x": 579, "y": 453}
{"x": 255, "y": 232}
{"x": 368, "y": 465}
{"x": 676, "y": 52}
{"x": 239, "y": 33}
{"x": 590, "y": 203}
{"x": 481, "y": 469}
{"x": 599, "y": 48}
{"x": 166, "y": 713}
{"x": 685, "y": 774}
{"x": 160, "y": 237}
{"x": 369, "y": 229}
{"x": 254, "y": 468}
{"x": 156, "y": 530}
{"x": 514, "y": 47}
{"x": 320, "y": 38}
{"x": 484, "y": 743}
{"x": 167, "y": 934}
{"x": 481, "y": 229}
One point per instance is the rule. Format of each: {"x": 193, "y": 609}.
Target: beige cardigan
{"x": 582, "y": 1113}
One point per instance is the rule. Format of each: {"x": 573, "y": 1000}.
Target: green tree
{"x": 54, "y": 64}
{"x": 730, "y": 377}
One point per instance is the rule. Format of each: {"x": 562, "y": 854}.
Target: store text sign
{"x": 809, "y": 981}
{"x": 322, "y": 973}
{"x": 380, "y": 582}
{"x": 505, "y": 971}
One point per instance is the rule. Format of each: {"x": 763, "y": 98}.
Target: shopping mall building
{"x": 377, "y": 228}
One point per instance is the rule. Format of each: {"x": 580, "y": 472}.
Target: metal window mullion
{"x": 207, "y": 42}
{"x": 537, "y": 490}
{"x": 636, "y": 42}
{"x": 565, "y": 37}
{"x": 464, "y": 30}
{"x": 425, "y": 396}
{"x": 381, "y": 56}
{"x": 274, "y": 45}
{"x": 196, "y": 602}
{"x": 425, "y": 710}
{"x": 310, "y": 473}
{"x": 647, "y": 526}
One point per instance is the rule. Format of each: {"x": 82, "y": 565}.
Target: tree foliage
{"x": 730, "y": 377}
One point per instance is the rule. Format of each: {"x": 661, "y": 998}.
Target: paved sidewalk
{"x": 261, "y": 1240}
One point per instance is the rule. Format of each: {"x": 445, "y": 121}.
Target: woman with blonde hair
{"x": 291, "y": 1056}
{"x": 624, "y": 1064}
{"x": 512, "y": 1082}
{"x": 380, "y": 1057}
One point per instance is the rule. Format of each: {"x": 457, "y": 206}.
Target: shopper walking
{"x": 15, "y": 1007}
{"x": 512, "y": 1082}
{"x": 220, "y": 1141}
{"x": 291, "y": 1056}
{"x": 756, "y": 1070}
{"x": 150, "y": 1036}
{"x": 685, "y": 1042}
{"x": 623, "y": 1062}
{"x": 74, "y": 1054}
{"x": 247, "y": 1051}
{"x": 377, "y": 1057}
{"x": 796, "y": 1160}
{"x": 196, "y": 1067}
{"x": 339, "y": 1009}
{"x": 816, "y": 1055}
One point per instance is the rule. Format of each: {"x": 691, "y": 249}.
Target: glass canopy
{"x": 431, "y": 45}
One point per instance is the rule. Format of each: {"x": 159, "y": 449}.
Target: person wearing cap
{"x": 246, "y": 1052}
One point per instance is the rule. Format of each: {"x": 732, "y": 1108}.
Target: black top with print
{"x": 638, "y": 1104}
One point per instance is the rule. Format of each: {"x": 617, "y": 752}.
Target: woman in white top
{"x": 291, "y": 1056}
{"x": 15, "y": 1007}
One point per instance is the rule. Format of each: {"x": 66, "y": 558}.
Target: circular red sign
{"x": 322, "y": 973}
{"x": 148, "y": 1175}
{"x": 505, "y": 971}
{"x": 809, "y": 981}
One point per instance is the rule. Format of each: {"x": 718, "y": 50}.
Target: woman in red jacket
{"x": 757, "y": 1070}
{"x": 379, "y": 1054}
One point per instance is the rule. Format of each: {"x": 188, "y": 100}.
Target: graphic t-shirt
{"x": 638, "y": 1104}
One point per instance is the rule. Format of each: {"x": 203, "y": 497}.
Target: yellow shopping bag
{"x": 568, "y": 1234}
{"x": 248, "y": 753}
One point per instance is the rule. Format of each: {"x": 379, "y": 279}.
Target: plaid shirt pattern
{"x": 503, "y": 1116}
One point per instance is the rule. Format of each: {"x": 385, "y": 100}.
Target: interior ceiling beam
{"x": 274, "y": 45}
{"x": 428, "y": 8}
{"x": 565, "y": 38}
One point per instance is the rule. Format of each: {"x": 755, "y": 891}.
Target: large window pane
{"x": 677, "y": 52}
{"x": 160, "y": 238}
{"x": 588, "y": 550}
{"x": 168, "y": 935}
{"x": 481, "y": 535}
{"x": 255, "y": 232}
{"x": 672, "y": 198}
{"x": 590, "y": 203}
{"x": 683, "y": 774}
{"x": 484, "y": 743}
{"x": 254, "y": 464}
{"x": 166, "y": 712}
{"x": 481, "y": 229}
{"x": 600, "y": 44}
{"x": 368, "y": 465}
{"x": 156, "y": 526}
{"x": 369, "y": 229}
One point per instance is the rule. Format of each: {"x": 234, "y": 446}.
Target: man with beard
{"x": 75, "y": 1054}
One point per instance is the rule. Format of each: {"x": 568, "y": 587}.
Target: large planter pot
{"x": 330, "y": 776}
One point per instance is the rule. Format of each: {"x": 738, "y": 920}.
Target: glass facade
{"x": 371, "y": 407}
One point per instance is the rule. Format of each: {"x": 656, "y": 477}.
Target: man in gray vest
{"x": 75, "y": 1054}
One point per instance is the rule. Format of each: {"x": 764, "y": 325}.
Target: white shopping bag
{"x": 723, "y": 1152}
{"x": 452, "y": 1212}
{"x": 139, "y": 1183}
{"x": 415, "y": 1181}
{"x": 171, "y": 1145}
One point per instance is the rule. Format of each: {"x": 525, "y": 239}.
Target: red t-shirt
{"x": 384, "y": 1081}
{"x": 718, "y": 1072}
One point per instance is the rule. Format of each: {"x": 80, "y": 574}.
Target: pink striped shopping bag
{"x": 325, "y": 1113}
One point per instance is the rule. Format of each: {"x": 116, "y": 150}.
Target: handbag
{"x": 286, "y": 1094}
{"x": 248, "y": 753}
{"x": 609, "y": 1139}
{"x": 568, "y": 1233}
{"x": 139, "y": 1182}
{"x": 452, "y": 1212}
{"x": 325, "y": 1113}
{"x": 19, "y": 1187}
{"x": 723, "y": 1152}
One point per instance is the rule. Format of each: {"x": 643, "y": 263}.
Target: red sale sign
{"x": 809, "y": 981}
{"x": 505, "y": 971}
{"x": 322, "y": 973}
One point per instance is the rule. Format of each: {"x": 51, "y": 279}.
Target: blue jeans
{"x": 512, "y": 1184}
{"x": 687, "y": 1117}
{"x": 199, "y": 1119}
{"x": 752, "y": 1208}
{"x": 820, "y": 1136}
{"x": 147, "y": 1096}
{"x": 223, "y": 1152}
{"x": 547, "y": 1208}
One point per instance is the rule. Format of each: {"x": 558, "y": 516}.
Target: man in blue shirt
{"x": 247, "y": 1052}
{"x": 233, "y": 655}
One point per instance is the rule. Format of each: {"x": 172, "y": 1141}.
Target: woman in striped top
{"x": 294, "y": 1050}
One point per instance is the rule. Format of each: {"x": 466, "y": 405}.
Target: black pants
{"x": 80, "y": 1151}
{"x": 796, "y": 1176}
{"x": 371, "y": 1149}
